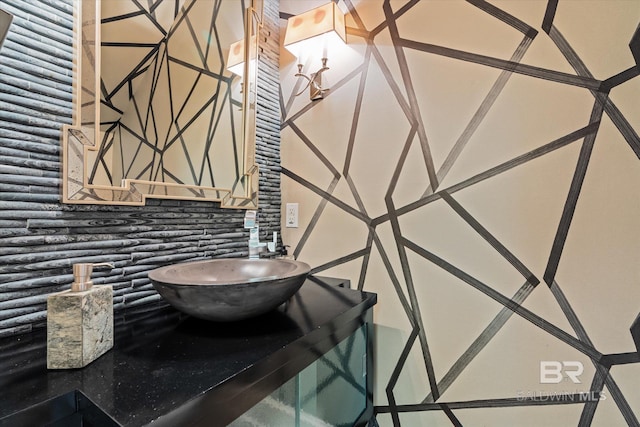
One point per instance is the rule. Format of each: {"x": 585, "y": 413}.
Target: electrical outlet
{"x": 291, "y": 218}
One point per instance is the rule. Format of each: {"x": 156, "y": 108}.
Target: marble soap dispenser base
{"x": 79, "y": 327}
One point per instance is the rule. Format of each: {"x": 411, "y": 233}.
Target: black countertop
{"x": 171, "y": 369}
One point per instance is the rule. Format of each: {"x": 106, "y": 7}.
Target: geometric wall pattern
{"x": 170, "y": 110}
{"x": 476, "y": 164}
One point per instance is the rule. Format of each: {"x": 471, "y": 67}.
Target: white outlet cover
{"x": 291, "y": 215}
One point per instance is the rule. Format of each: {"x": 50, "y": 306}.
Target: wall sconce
{"x": 312, "y": 33}
{"x": 235, "y": 59}
{"x": 5, "y": 22}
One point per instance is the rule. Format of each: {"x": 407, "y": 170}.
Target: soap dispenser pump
{"x": 79, "y": 321}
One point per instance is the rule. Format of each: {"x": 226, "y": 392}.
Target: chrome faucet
{"x": 256, "y": 247}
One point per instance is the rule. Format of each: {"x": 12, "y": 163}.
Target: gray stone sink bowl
{"x": 229, "y": 289}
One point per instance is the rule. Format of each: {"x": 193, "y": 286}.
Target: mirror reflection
{"x": 173, "y": 121}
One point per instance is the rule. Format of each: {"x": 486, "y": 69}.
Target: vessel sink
{"x": 229, "y": 289}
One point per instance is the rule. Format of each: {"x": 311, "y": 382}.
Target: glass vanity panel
{"x": 332, "y": 391}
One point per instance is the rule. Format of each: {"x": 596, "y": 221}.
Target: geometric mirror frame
{"x": 83, "y": 140}
{"x": 5, "y": 22}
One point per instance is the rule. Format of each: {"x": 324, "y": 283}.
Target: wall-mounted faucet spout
{"x": 256, "y": 247}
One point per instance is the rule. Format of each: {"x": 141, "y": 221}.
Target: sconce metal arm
{"x": 314, "y": 81}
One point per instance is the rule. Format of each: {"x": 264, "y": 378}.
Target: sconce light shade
{"x": 5, "y": 22}
{"x": 634, "y": 45}
{"x": 235, "y": 60}
{"x": 312, "y": 31}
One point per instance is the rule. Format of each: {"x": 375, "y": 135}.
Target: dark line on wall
{"x": 620, "y": 358}
{"x": 527, "y": 70}
{"x": 151, "y": 18}
{"x": 403, "y": 157}
{"x": 190, "y": 162}
{"x": 353, "y": 12}
{"x": 524, "y": 401}
{"x": 157, "y": 72}
{"x": 159, "y": 163}
{"x": 395, "y": 374}
{"x": 394, "y": 279}
{"x": 337, "y": 202}
{"x": 215, "y": 117}
{"x": 135, "y": 72}
{"x": 365, "y": 260}
{"x": 121, "y": 17}
{"x": 356, "y": 112}
{"x": 281, "y": 102}
{"x": 356, "y": 195}
{"x": 352, "y": 31}
{"x": 325, "y": 161}
{"x": 489, "y": 238}
{"x": 213, "y": 30}
{"x": 413, "y": 100}
{"x": 623, "y": 125}
{"x": 602, "y": 372}
{"x": 449, "y": 413}
{"x": 620, "y": 78}
{"x": 316, "y": 217}
{"x": 574, "y": 193}
{"x": 112, "y": 107}
{"x": 404, "y": 9}
{"x": 481, "y": 341}
{"x": 589, "y": 409}
{"x": 217, "y": 114}
{"x": 569, "y": 313}
{"x": 417, "y": 316}
{"x": 510, "y": 304}
{"x": 342, "y": 260}
{"x": 386, "y": 72}
{"x": 510, "y": 164}
{"x": 505, "y": 17}
{"x": 193, "y": 67}
{"x": 480, "y": 114}
{"x": 549, "y": 15}
{"x": 384, "y": 68}
{"x": 129, "y": 44}
{"x": 193, "y": 119}
{"x": 618, "y": 397}
{"x": 601, "y": 368}
{"x": 569, "y": 53}
{"x": 235, "y": 137}
{"x": 155, "y": 4}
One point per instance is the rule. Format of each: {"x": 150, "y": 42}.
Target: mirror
{"x": 171, "y": 121}
{"x": 5, "y": 22}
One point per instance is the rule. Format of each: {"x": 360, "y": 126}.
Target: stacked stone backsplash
{"x": 40, "y": 238}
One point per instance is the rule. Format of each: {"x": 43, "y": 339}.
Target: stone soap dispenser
{"x": 79, "y": 321}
